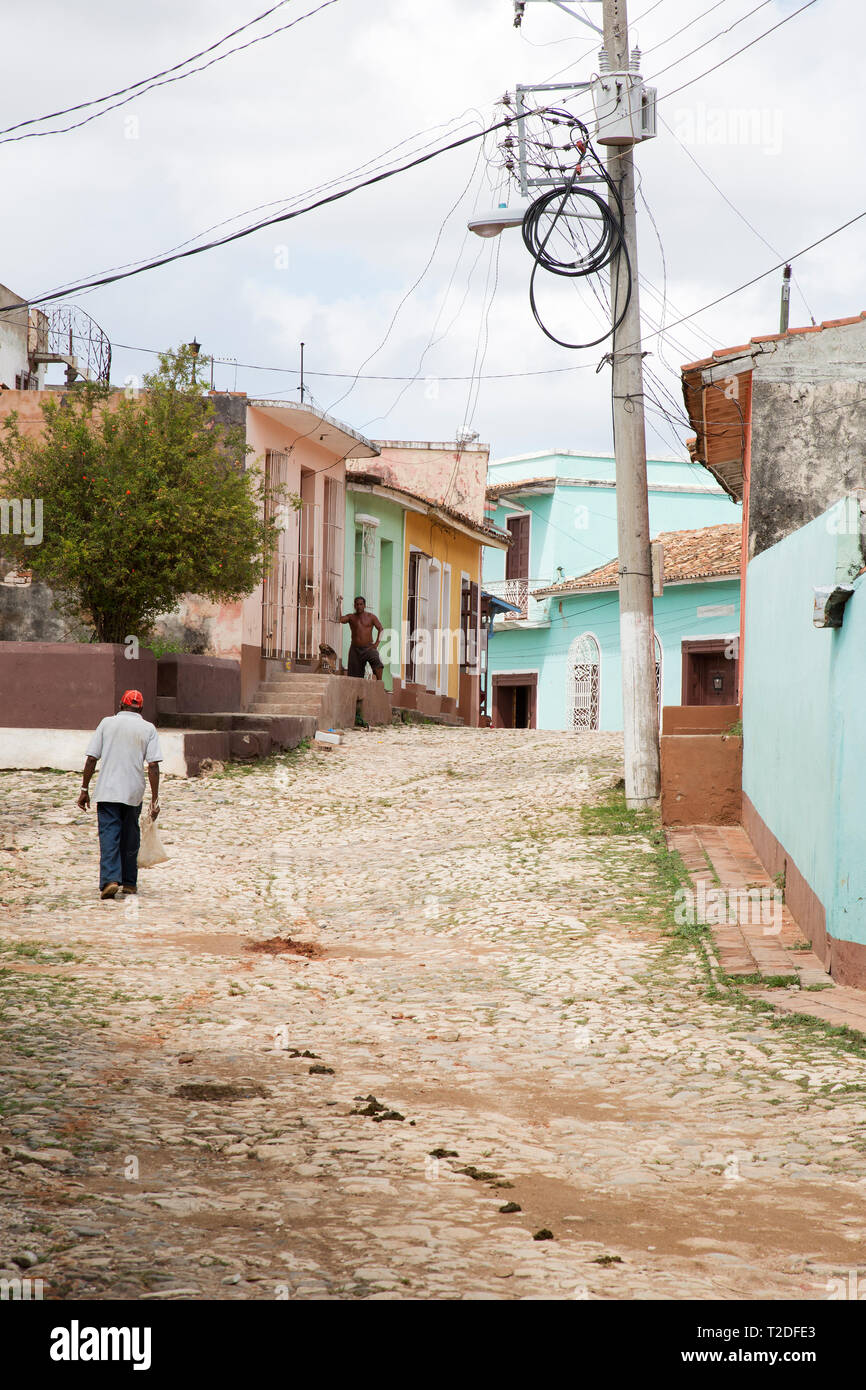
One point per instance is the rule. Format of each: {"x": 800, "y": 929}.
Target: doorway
{"x": 710, "y": 676}
{"x": 515, "y": 698}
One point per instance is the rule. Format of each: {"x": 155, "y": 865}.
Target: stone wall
{"x": 188, "y": 684}
{"x": 808, "y": 430}
{"x": 71, "y": 685}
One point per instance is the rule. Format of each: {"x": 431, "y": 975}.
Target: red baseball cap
{"x": 132, "y": 699}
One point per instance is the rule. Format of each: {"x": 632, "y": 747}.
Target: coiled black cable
{"x": 591, "y": 259}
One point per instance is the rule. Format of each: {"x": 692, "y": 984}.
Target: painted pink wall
{"x": 238, "y": 625}
{"x": 439, "y": 472}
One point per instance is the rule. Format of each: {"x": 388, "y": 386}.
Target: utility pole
{"x": 640, "y": 704}
{"x": 786, "y": 299}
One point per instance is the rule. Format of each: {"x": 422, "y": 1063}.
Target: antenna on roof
{"x": 466, "y": 437}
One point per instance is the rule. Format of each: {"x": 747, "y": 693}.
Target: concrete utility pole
{"x": 640, "y": 706}
{"x": 786, "y": 300}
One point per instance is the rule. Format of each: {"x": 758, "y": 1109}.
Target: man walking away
{"x": 363, "y": 649}
{"x": 124, "y": 742}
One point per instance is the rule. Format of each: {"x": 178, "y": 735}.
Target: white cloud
{"x": 363, "y": 75}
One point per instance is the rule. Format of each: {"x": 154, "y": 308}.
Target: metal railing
{"x": 514, "y": 591}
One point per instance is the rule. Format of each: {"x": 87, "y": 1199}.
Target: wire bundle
{"x": 572, "y": 209}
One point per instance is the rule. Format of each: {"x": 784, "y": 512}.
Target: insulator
{"x": 634, "y": 63}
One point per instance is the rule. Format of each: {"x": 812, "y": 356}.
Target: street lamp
{"x": 195, "y": 349}
{"x": 496, "y": 221}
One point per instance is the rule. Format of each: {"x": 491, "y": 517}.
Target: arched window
{"x": 659, "y": 659}
{"x": 583, "y": 683}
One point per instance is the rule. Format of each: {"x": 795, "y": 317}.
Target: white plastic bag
{"x": 151, "y": 851}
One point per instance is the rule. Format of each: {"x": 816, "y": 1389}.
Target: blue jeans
{"x": 119, "y": 838}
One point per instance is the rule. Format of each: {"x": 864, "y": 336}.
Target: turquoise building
{"x": 555, "y": 663}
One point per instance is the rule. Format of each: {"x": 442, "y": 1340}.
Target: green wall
{"x": 386, "y": 600}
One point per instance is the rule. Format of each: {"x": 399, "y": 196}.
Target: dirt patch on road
{"x": 221, "y": 1090}
{"x": 776, "y": 1221}
{"x": 285, "y": 946}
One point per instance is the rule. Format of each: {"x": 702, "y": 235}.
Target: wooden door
{"x": 515, "y": 700}
{"x": 280, "y": 580}
{"x": 434, "y": 576}
{"x": 517, "y": 556}
{"x": 709, "y": 676}
{"x": 411, "y": 614}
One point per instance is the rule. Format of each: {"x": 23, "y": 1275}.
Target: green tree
{"x": 146, "y": 497}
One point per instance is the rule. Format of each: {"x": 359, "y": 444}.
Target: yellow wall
{"x": 449, "y": 547}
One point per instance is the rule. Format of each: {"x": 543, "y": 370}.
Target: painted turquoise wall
{"x": 546, "y": 649}
{"x": 574, "y": 528}
{"x": 389, "y": 595}
{"x": 804, "y": 744}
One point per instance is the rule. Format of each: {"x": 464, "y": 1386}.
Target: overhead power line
{"x": 149, "y": 84}
{"x": 154, "y": 263}
{"x": 269, "y": 221}
{"x": 552, "y": 371}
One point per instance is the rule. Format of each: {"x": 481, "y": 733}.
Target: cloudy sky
{"x": 369, "y": 282}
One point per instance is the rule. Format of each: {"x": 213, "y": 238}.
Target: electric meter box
{"x": 625, "y": 110}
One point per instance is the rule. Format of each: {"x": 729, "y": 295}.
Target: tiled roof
{"x": 719, "y": 421}
{"x": 707, "y": 553}
{"x": 721, "y": 353}
{"x": 497, "y": 489}
{"x": 366, "y": 479}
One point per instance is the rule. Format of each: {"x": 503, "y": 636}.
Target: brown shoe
{"x": 109, "y": 890}
{"x": 129, "y": 888}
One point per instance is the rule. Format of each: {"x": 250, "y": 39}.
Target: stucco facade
{"x": 804, "y": 746}
{"x": 679, "y": 614}
{"x": 569, "y": 501}
{"x": 301, "y": 453}
{"x": 780, "y": 421}
{"x": 434, "y": 658}
{"x": 374, "y": 566}
{"x": 449, "y": 474}
{"x": 455, "y": 560}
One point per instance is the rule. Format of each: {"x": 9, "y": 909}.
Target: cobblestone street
{"x": 491, "y": 1034}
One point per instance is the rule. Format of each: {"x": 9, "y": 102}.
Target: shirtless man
{"x": 363, "y": 648}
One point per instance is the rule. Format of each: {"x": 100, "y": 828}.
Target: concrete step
{"x": 281, "y": 697}
{"x": 286, "y": 711}
{"x": 247, "y": 745}
{"x": 311, "y": 701}
{"x": 302, "y": 684}
{"x": 285, "y": 730}
{"x": 298, "y": 675}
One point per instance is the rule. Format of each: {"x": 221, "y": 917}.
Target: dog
{"x": 328, "y": 663}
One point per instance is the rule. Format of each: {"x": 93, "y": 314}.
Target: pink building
{"x": 302, "y": 453}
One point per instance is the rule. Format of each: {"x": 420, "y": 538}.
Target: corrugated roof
{"x": 706, "y": 553}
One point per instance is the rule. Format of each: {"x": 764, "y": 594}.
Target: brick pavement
{"x": 723, "y": 857}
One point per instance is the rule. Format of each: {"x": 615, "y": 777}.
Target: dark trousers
{"x": 119, "y": 838}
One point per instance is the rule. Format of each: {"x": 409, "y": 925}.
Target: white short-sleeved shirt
{"x": 124, "y": 742}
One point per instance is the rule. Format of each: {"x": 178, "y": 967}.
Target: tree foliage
{"x": 146, "y": 497}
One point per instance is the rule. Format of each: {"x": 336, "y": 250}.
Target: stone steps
{"x": 330, "y": 701}
{"x": 287, "y": 695}
{"x": 250, "y": 734}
